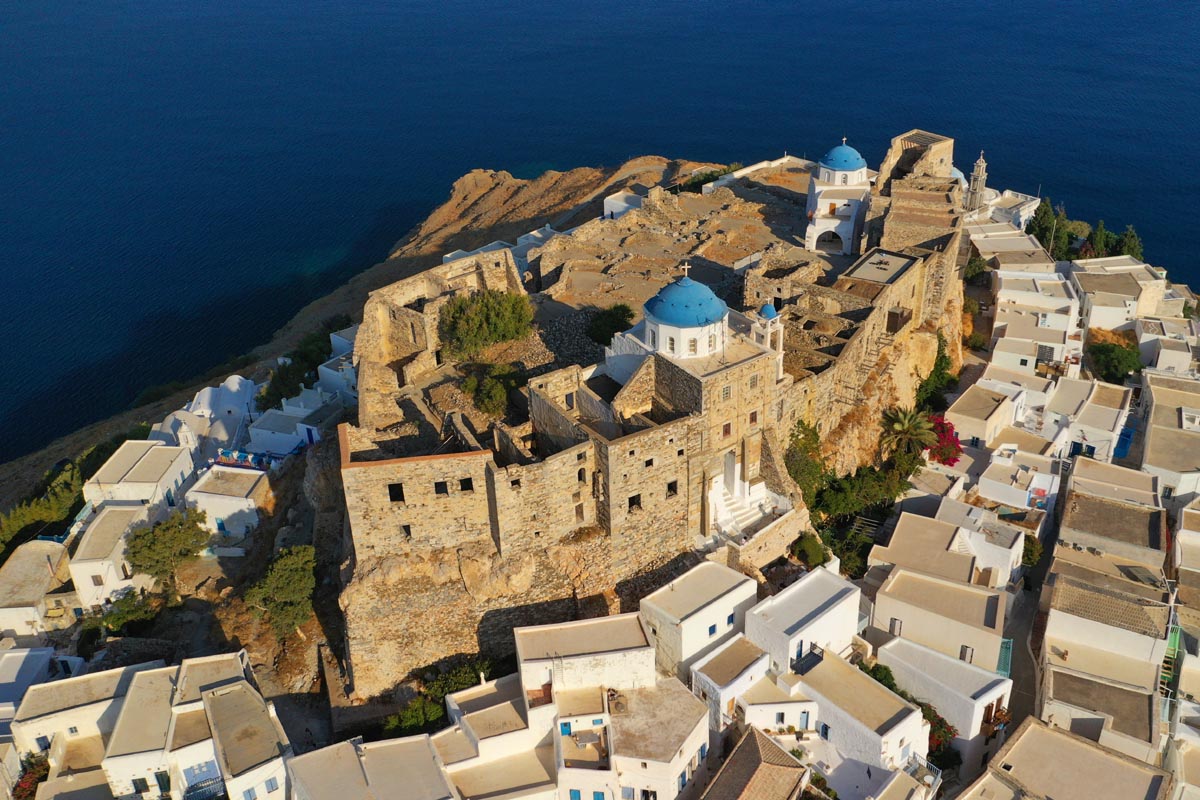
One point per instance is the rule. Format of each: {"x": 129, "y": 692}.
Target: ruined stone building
{"x": 611, "y": 477}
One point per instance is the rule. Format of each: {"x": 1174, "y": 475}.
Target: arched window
{"x": 712, "y": 341}
{"x": 653, "y": 338}
{"x": 670, "y": 344}
{"x": 845, "y": 179}
{"x": 691, "y": 347}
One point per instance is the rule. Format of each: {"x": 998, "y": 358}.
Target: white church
{"x": 838, "y": 196}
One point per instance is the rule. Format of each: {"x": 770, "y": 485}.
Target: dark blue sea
{"x": 178, "y": 178}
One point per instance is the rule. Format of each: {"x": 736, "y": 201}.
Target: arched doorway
{"x": 830, "y": 242}
{"x": 730, "y": 473}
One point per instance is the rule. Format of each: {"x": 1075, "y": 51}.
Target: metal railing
{"x": 208, "y": 789}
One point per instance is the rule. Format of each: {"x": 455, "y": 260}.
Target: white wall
{"x": 239, "y": 514}
{"x": 833, "y": 630}
{"x": 800, "y": 714}
{"x": 854, "y": 740}
{"x": 663, "y": 777}
{"x": 680, "y": 645}
{"x": 1068, "y": 627}
{"x": 938, "y": 632}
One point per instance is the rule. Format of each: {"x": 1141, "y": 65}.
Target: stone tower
{"x": 978, "y": 185}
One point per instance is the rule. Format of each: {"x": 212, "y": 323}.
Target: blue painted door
{"x": 803, "y": 720}
{"x": 824, "y": 731}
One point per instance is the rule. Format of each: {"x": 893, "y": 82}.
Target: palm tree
{"x": 906, "y": 429}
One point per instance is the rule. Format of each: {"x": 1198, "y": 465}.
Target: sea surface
{"x": 178, "y": 178}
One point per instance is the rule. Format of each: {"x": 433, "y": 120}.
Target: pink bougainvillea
{"x": 947, "y": 450}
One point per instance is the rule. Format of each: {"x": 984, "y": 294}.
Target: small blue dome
{"x": 768, "y": 311}
{"x": 843, "y": 158}
{"x": 685, "y": 304}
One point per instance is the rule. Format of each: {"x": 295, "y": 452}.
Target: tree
{"x": 810, "y": 550}
{"x": 1101, "y": 240}
{"x": 284, "y": 595}
{"x": 931, "y": 391}
{"x": 609, "y": 322}
{"x": 970, "y": 306}
{"x": 129, "y": 607}
{"x": 975, "y": 270}
{"x": 906, "y": 429}
{"x": 1033, "y": 551}
{"x": 160, "y": 550}
{"x": 1112, "y": 362}
{"x": 1129, "y": 243}
{"x": 976, "y": 341}
{"x": 947, "y": 450}
{"x": 470, "y": 323}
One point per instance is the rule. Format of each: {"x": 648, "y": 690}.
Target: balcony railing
{"x": 1004, "y": 663}
{"x": 210, "y": 789}
{"x": 924, "y": 773}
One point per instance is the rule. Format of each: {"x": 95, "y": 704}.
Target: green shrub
{"x": 970, "y": 306}
{"x": 931, "y": 392}
{"x": 1033, "y": 551}
{"x": 313, "y": 350}
{"x": 609, "y": 322}
{"x": 470, "y": 323}
{"x": 976, "y": 270}
{"x": 809, "y": 549}
{"x": 976, "y": 341}
{"x": 125, "y": 610}
{"x": 160, "y": 550}
{"x": 1113, "y": 363}
{"x": 491, "y": 397}
{"x": 284, "y": 595}
{"x": 425, "y": 712}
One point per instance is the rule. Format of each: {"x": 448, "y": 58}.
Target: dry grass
{"x": 1119, "y": 338}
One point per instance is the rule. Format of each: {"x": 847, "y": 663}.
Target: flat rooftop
{"x": 730, "y": 660}
{"x": 582, "y": 637}
{"x": 121, "y": 462}
{"x": 1114, "y": 482}
{"x": 1133, "y": 713}
{"x": 880, "y": 266}
{"x": 657, "y": 721}
{"x": 966, "y": 680}
{"x": 229, "y": 482}
{"x": 971, "y": 605}
{"x": 977, "y": 403}
{"x": 815, "y": 593}
{"x": 244, "y": 732}
{"x": 393, "y": 769}
{"x": 105, "y": 534}
{"x": 1046, "y": 762}
{"x": 514, "y": 776}
{"x": 32, "y": 570}
{"x": 857, "y": 694}
{"x": 48, "y": 698}
{"x": 922, "y": 544}
{"x": 145, "y": 715}
{"x": 1169, "y": 444}
{"x": 1122, "y": 522}
{"x": 494, "y": 708}
{"x": 698, "y": 587}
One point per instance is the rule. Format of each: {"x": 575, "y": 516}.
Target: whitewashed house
{"x": 20, "y": 669}
{"x": 723, "y": 676}
{"x": 393, "y": 769}
{"x": 230, "y": 498}
{"x": 338, "y": 375}
{"x": 972, "y": 699}
{"x": 1092, "y": 414}
{"x": 820, "y": 610}
{"x": 147, "y": 472}
{"x": 296, "y": 424}
{"x": 32, "y": 596}
{"x": 695, "y": 613}
{"x": 962, "y": 620}
{"x": 99, "y": 568}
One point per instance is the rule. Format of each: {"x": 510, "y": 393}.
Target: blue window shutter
{"x": 575, "y": 794}
{"x": 729, "y": 619}
{"x": 703, "y": 751}
{"x": 597, "y": 722}
{"x": 682, "y": 780}
{"x": 712, "y": 630}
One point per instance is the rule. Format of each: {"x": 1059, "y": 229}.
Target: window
{"x": 966, "y": 653}
{"x": 753, "y": 381}
{"x": 895, "y": 626}
{"x": 579, "y": 512}
{"x": 635, "y": 501}
{"x": 729, "y": 619}
{"x": 72, "y": 730}
{"x": 466, "y": 485}
{"x": 441, "y": 488}
{"x": 727, "y": 429}
{"x": 845, "y": 179}
{"x": 597, "y": 722}
{"x": 97, "y": 580}
{"x": 272, "y": 785}
{"x": 515, "y": 483}
{"x": 249, "y": 794}
{"x": 1167, "y": 492}
{"x": 712, "y": 341}
{"x": 670, "y": 344}
{"x": 575, "y": 794}
{"x": 141, "y": 786}
{"x": 712, "y": 630}
{"x": 220, "y": 525}
{"x": 682, "y": 780}
{"x": 672, "y": 488}
{"x": 654, "y": 338}
{"x": 649, "y": 462}
{"x": 43, "y": 743}
{"x": 581, "y": 474}
{"x": 692, "y": 347}
{"x": 396, "y": 492}
{"x": 597, "y": 795}
{"x": 579, "y": 456}
{"x": 778, "y": 717}
{"x": 163, "y": 779}
{"x": 679, "y": 453}
{"x": 626, "y": 793}
{"x": 1024, "y": 362}
{"x": 726, "y": 392}
{"x": 406, "y": 530}
{"x": 703, "y": 751}
{"x": 753, "y": 417}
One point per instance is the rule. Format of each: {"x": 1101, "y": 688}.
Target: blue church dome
{"x": 768, "y": 311}
{"x": 685, "y": 303}
{"x": 843, "y": 158}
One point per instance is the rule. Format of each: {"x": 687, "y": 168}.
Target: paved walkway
{"x": 1024, "y": 672}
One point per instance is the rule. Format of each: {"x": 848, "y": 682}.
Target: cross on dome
{"x": 685, "y": 266}
{"x": 843, "y": 140}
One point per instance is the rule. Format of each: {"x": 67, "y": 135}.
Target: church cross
{"x": 685, "y": 267}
